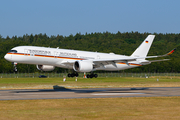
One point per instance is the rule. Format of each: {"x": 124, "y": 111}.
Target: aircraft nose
{"x": 7, "y": 57}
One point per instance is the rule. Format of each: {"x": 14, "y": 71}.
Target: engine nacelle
{"x": 83, "y": 66}
{"x": 45, "y": 67}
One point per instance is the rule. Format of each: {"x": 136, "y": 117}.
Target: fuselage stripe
{"x": 24, "y": 54}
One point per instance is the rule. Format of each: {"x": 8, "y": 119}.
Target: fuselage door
{"x": 26, "y": 52}
{"x": 56, "y": 54}
{"x": 11, "y": 55}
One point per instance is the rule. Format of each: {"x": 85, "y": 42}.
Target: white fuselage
{"x": 47, "y": 59}
{"x": 57, "y": 57}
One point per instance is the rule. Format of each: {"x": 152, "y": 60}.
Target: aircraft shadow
{"x": 57, "y": 88}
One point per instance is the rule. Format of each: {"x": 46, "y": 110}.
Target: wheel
{"x": 95, "y": 75}
{"x": 15, "y": 69}
{"x": 88, "y": 76}
{"x": 76, "y": 74}
{"x": 91, "y": 76}
{"x": 69, "y": 75}
{"x": 72, "y": 75}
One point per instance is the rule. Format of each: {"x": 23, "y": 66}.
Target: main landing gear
{"x": 92, "y": 75}
{"x": 73, "y": 75}
{"x": 88, "y": 75}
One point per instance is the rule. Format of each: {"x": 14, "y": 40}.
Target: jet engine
{"x": 45, "y": 67}
{"x": 83, "y": 66}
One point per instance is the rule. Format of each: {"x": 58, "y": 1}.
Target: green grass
{"x": 141, "y": 108}
{"x": 48, "y": 83}
{"x": 138, "y": 108}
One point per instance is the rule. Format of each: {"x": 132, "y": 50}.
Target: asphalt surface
{"x": 63, "y": 93}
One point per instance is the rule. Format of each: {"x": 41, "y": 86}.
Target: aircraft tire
{"x": 91, "y": 76}
{"x": 15, "y": 69}
{"x": 72, "y": 75}
{"x": 69, "y": 75}
{"x": 76, "y": 74}
{"x": 95, "y": 75}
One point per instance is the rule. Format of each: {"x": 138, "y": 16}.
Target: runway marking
{"x": 115, "y": 93}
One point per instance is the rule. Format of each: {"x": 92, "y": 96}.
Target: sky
{"x": 66, "y": 17}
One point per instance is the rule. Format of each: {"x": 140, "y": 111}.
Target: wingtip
{"x": 171, "y": 51}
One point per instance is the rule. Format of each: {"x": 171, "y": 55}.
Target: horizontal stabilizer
{"x": 150, "y": 61}
{"x": 158, "y": 60}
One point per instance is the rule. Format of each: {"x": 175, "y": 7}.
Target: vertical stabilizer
{"x": 143, "y": 49}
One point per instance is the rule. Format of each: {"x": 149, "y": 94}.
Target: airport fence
{"x": 103, "y": 74}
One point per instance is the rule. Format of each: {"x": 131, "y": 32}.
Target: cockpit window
{"x": 12, "y": 51}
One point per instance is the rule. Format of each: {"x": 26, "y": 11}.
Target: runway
{"x": 63, "y": 93}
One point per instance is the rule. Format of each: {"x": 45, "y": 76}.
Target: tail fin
{"x": 143, "y": 49}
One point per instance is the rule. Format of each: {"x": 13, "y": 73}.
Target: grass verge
{"x": 95, "y": 108}
{"x": 140, "y": 108}
{"x": 48, "y": 83}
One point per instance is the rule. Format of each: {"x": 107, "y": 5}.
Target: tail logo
{"x": 146, "y": 41}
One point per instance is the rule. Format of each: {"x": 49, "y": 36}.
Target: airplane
{"x": 46, "y": 58}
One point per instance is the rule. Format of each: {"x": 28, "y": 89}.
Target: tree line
{"x": 119, "y": 43}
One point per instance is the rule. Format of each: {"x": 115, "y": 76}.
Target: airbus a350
{"x": 46, "y": 59}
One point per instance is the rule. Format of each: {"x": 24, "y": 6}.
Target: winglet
{"x": 171, "y": 51}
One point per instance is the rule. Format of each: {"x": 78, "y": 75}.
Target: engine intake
{"x": 83, "y": 66}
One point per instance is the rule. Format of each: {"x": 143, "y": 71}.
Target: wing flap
{"x": 115, "y": 60}
{"x": 103, "y": 62}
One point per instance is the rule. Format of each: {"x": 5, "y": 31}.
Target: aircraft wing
{"x": 114, "y": 60}
{"x": 126, "y": 60}
{"x": 102, "y": 62}
{"x": 169, "y": 53}
{"x": 68, "y": 62}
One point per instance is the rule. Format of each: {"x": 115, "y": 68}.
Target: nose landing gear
{"x": 15, "y": 67}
